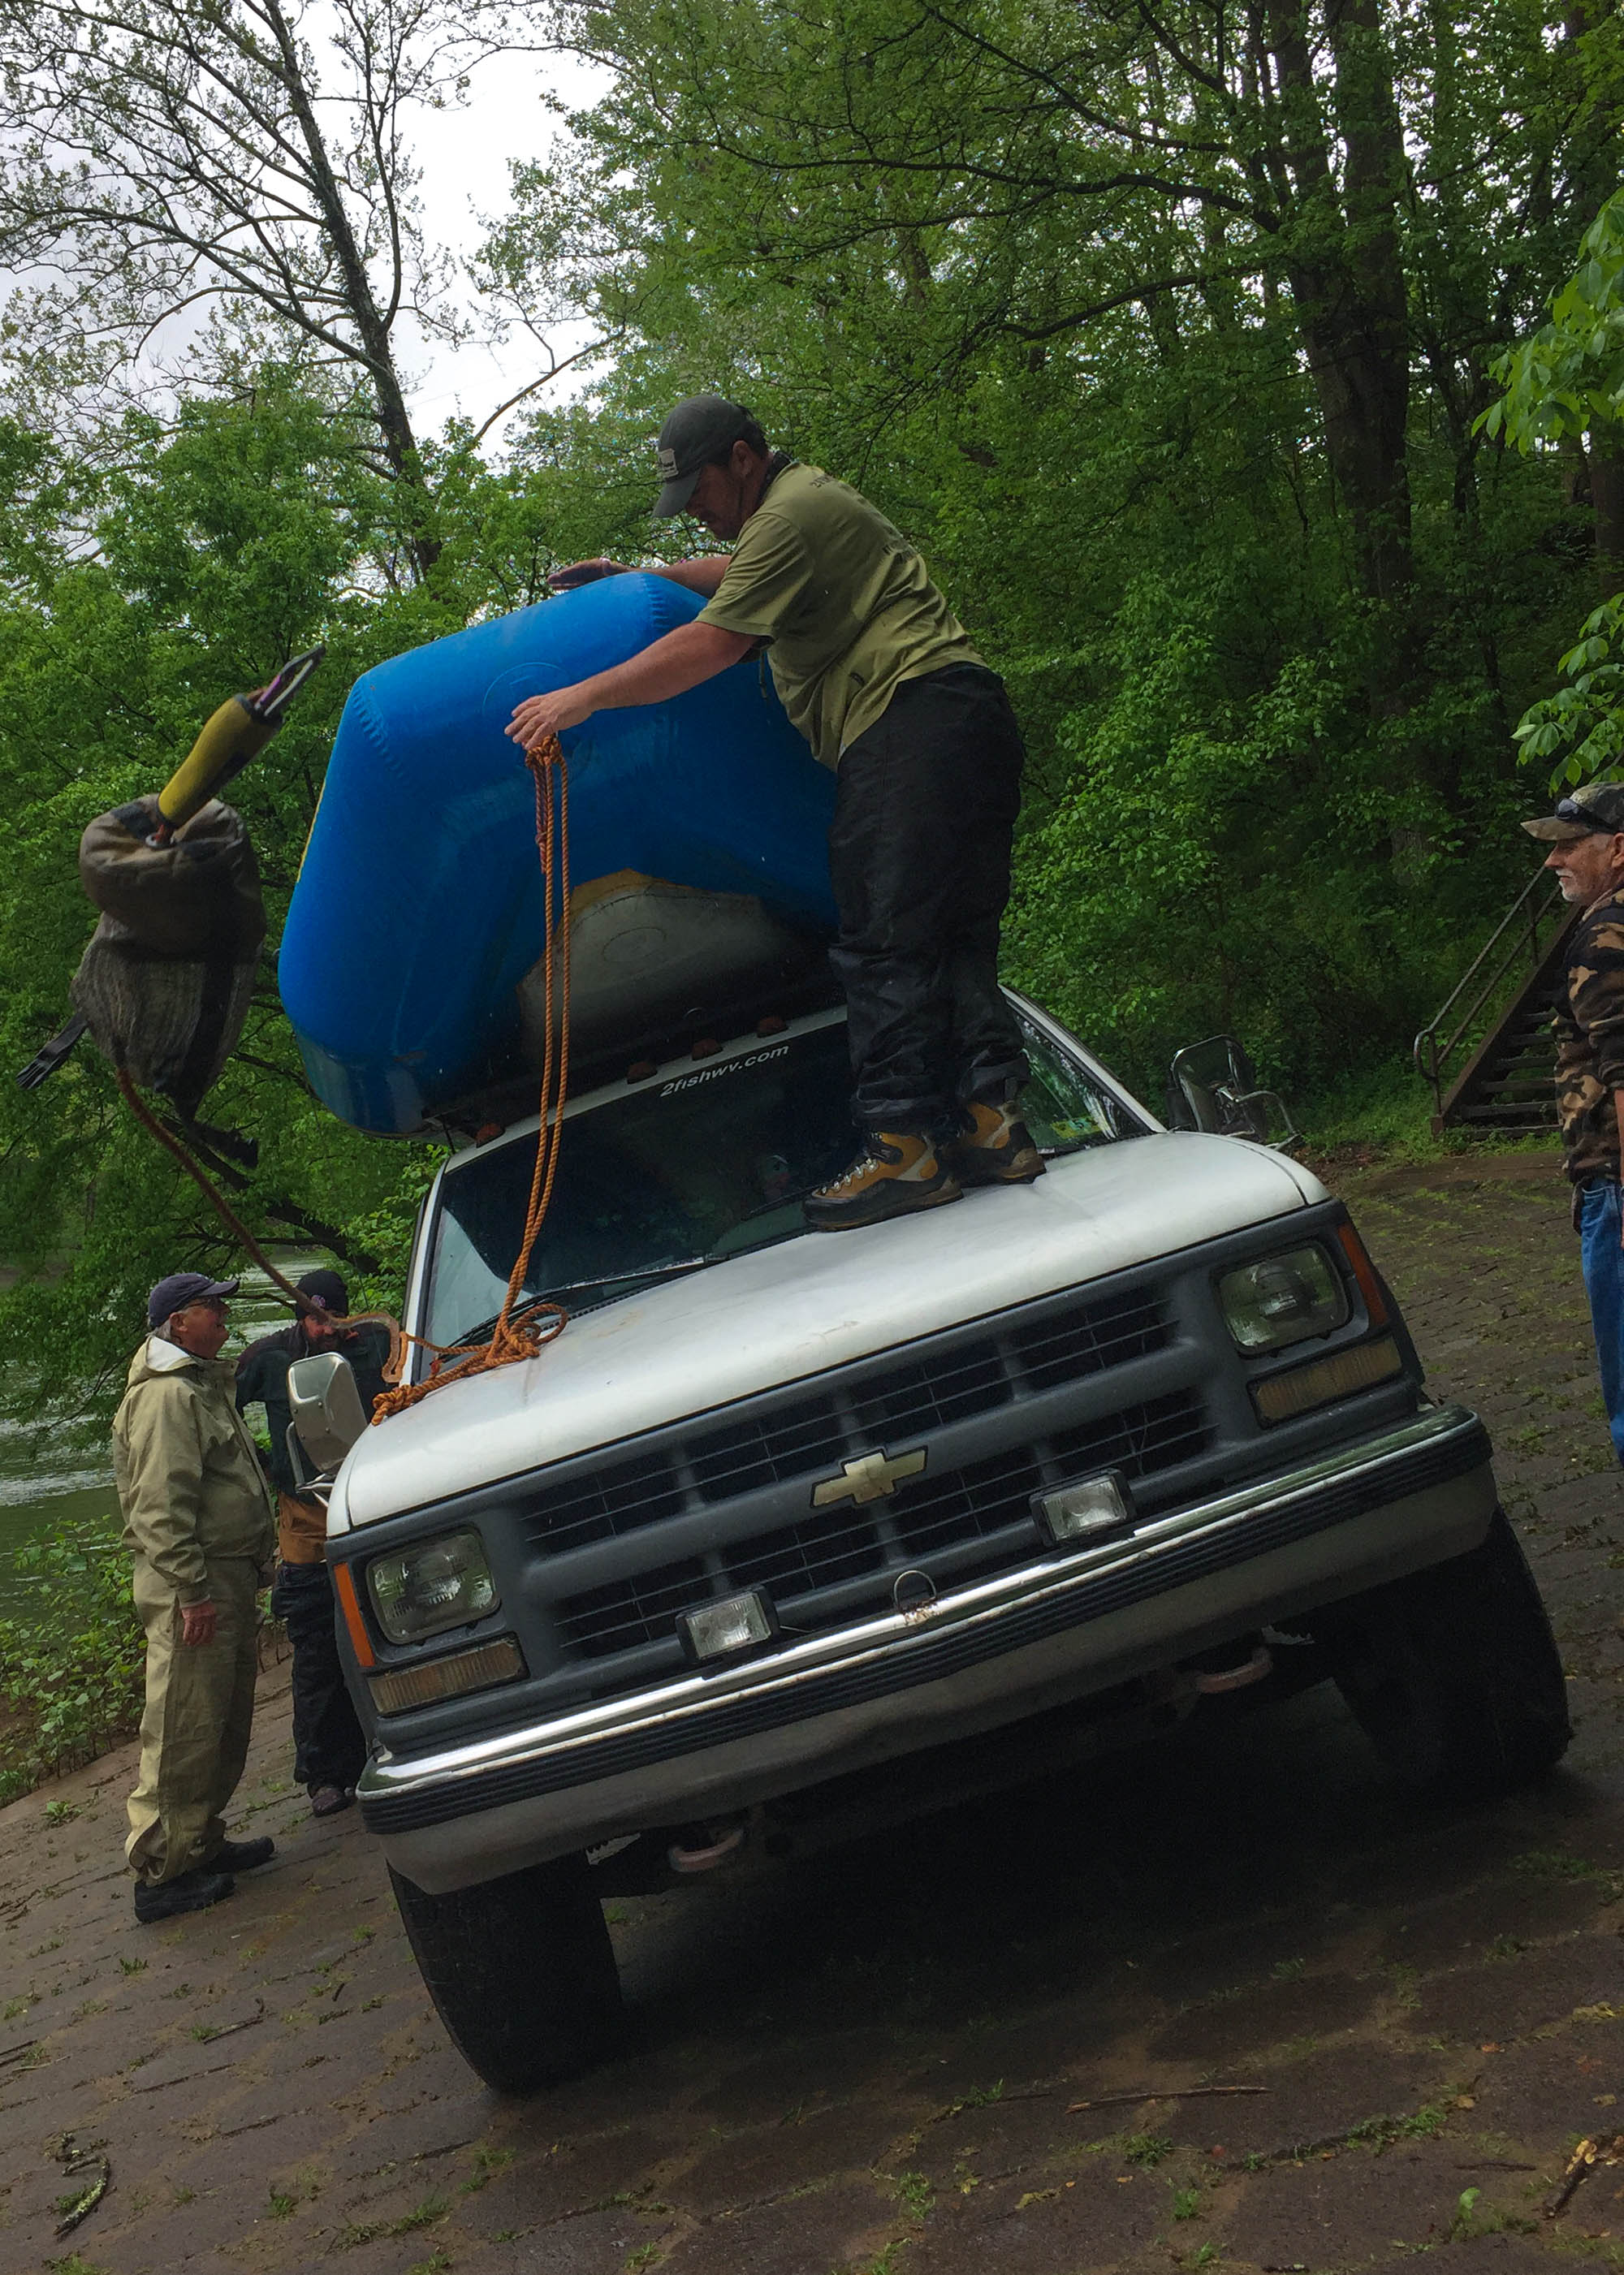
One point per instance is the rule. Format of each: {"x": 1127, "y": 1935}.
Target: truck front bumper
{"x": 1058, "y": 1629}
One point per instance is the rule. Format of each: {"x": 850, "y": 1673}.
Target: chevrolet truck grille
{"x": 923, "y": 1457}
{"x": 814, "y": 1436}
{"x": 981, "y": 1507}
{"x": 979, "y": 1503}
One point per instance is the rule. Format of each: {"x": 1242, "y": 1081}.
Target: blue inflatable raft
{"x": 699, "y": 853}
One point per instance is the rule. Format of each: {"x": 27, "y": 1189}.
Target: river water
{"x": 44, "y": 1485}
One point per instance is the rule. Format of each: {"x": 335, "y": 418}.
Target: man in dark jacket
{"x": 880, "y": 677}
{"x": 1586, "y": 836}
{"x": 329, "y": 1748}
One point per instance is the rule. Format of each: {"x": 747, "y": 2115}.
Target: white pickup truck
{"x": 790, "y": 1532}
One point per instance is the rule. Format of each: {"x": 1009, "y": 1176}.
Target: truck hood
{"x": 809, "y": 1304}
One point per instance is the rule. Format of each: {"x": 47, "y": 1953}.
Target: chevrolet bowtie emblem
{"x": 870, "y": 1477}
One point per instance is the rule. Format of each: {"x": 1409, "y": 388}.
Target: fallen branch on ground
{"x": 1162, "y": 2093}
{"x": 1608, "y": 2151}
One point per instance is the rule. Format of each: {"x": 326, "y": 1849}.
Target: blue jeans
{"x": 1599, "y": 1224}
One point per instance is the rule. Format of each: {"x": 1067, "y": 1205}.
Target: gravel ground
{"x": 874, "y": 2061}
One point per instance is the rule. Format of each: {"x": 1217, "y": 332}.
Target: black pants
{"x": 329, "y": 1747}
{"x": 919, "y": 860}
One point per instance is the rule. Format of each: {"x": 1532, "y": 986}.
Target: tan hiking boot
{"x": 996, "y": 1149}
{"x": 896, "y": 1175}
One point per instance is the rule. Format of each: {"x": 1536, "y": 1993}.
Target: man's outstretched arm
{"x": 701, "y": 576}
{"x": 667, "y": 666}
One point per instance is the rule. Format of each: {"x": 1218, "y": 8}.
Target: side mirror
{"x": 1213, "y": 1086}
{"x": 326, "y": 1403}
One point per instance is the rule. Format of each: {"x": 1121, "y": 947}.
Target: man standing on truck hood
{"x": 1586, "y": 836}
{"x": 197, "y": 1519}
{"x": 880, "y": 677}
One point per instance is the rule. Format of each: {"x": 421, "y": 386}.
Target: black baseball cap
{"x": 1598, "y": 810}
{"x": 181, "y": 1288}
{"x": 702, "y": 429}
{"x": 328, "y": 1290}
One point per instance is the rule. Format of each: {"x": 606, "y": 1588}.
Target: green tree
{"x": 186, "y": 186}
{"x": 1167, "y": 333}
{"x": 221, "y": 548}
{"x": 1566, "y": 384}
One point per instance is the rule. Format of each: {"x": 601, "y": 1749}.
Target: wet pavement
{"x": 1235, "y": 2003}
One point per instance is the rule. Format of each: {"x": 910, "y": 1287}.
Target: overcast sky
{"x": 465, "y": 156}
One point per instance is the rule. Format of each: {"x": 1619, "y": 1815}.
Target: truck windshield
{"x": 687, "y": 1170}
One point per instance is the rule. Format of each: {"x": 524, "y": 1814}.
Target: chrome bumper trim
{"x": 896, "y": 1653}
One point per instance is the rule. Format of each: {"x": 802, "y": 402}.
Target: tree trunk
{"x": 1346, "y": 277}
{"x": 372, "y": 325}
{"x": 1573, "y": 469}
{"x": 1607, "y": 497}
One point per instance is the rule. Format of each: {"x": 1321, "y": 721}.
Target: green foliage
{"x": 1581, "y": 726}
{"x": 1146, "y": 2149}
{"x": 1564, "y": 382}
{"x": 1060, "y": 288}
{"x": 1055, "y": 324}
{"x": 1568, "y": 378}
{"x": 916, "y": 2194}
{"x": 1380, "y": 2133}
{"x": 70, "y": 1667}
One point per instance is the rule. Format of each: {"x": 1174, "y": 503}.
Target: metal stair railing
{"x": 1515, "y": 944}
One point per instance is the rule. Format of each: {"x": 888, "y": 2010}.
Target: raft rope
{"x": 518, "y": 1333}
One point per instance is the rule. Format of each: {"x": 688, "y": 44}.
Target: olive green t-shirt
{"x": 845, "y": 602}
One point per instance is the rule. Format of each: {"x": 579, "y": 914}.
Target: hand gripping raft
{"x": 411, "y": 964}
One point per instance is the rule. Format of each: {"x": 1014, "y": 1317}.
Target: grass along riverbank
{"x": 70, "y": 1646}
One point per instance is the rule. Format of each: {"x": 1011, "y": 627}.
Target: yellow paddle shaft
{"x": 231, "y": 738}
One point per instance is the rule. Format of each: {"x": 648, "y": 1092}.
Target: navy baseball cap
{"x": 328, "y": 1290}
{"x": 181, "y": 1288}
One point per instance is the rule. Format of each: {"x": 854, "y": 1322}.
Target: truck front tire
{"x": 1454, "y": 1673}
{"x": 520, "y": 1969}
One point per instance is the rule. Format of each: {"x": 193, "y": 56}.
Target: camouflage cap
{"x": 1596, "y": 809}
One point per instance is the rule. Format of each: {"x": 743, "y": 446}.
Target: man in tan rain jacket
{"x": 198, "y": 1522}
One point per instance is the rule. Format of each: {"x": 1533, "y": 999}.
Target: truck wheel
{"x": 521, "y": 1971}
{"x": 1454, "y": 1673}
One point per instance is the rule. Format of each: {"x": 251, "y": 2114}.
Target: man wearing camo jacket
{"x": 1586, "y": 836}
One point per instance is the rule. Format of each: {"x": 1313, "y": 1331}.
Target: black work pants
{"x": 328, "y": 1745}
{"x": 920, "y": 860}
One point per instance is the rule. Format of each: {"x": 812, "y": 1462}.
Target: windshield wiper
{"x": 769, "y": 1208}
{"x": 630, "y": 1280}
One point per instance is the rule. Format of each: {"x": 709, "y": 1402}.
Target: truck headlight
{"x": 435, "y": 1583}
{"x": 1282, "y": 1299}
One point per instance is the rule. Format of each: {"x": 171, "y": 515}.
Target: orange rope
{"x": 518, "y": 1334}
{"x": 144, "y": 1115}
